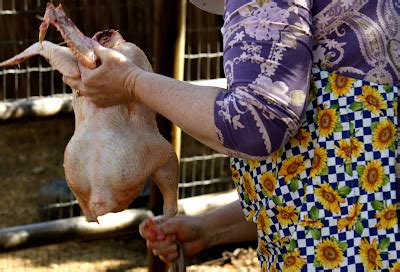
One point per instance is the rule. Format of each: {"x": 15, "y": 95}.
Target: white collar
{"x": 212, "y": 6}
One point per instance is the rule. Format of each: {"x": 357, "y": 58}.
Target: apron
{"x": 327, "y": 199}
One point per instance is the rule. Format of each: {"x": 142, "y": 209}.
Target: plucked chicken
{"x": 113, "y": 150}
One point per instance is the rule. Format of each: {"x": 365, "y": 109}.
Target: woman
{"x": 314, "y": 166}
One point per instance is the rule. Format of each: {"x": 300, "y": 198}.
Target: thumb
{"x": 171, "y": 226}
{"x": 85, "y": 72}
{"x": 100, "y": 50}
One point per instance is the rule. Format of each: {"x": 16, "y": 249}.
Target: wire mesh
{"x": 19, "y": 29}
{"x": 31, "y": 172}
{"x": 202, "y": 170}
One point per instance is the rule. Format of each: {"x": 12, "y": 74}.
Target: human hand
{"x": 111, "y": 83}
{"x": 162, "y": 234}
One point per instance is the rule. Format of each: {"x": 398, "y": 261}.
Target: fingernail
{"x": 174, "y": 237}
{"x": 160, "y": 237}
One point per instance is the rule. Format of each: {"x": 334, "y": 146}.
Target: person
{"x": 309, "y": 119}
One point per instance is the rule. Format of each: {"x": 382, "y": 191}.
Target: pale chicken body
{"x": 113, "y": 150}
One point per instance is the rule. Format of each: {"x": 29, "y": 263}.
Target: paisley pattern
{"x": 269, "y": 48}
{"x": 328, "y": 200}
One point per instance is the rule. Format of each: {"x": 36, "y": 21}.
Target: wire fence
{"x": 19, "y": 29}
{"x": 202, "y": 170}
{"x": 31, "y": 173}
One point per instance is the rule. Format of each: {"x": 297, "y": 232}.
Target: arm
{"x": 228, "y": 225}
{"x": 119, "y": 81}
{"x": 268, "y": 70}
{"x": 197, "y": 233}
{"x": 189, "y": 106}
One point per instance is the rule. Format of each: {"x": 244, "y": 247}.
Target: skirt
{"x": 327, "y": 199}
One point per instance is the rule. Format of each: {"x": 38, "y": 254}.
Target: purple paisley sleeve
{"x": 267, "y": 62}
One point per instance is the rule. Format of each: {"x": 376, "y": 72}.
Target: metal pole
{"x": 179, "y": 66}
{"x": 168, "y": 59}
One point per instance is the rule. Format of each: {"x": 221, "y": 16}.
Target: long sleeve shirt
{"x": 269, "y": 49}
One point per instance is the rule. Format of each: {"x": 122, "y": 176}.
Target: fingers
{"x": 170, "y": 258}
{"x": 164, "y": 247}
{"x": 149, "y": 231}
{"x": 170, "y": 227}
{"x": 100, "y": 50}
{"x": 85, "y": 72}
{"x": 167, "y": 249}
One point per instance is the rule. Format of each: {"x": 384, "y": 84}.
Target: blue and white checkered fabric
{"x": 335, "y": 209}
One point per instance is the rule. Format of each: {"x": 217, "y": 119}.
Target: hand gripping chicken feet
{"x": 113, "y": 150}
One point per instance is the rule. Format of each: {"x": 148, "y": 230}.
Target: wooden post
{"x": 168, "y": 60}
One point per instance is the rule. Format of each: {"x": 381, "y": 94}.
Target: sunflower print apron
{"x": 327, "y": 199}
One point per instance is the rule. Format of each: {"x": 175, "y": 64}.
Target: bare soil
{"x": 116, "y": 254}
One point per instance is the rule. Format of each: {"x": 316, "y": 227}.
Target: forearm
{"x": 189, "y": 106}
{"x": 228, "y": 225}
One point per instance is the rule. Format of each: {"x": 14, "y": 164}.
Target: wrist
{"x": 130, "y": 83}
{"x": 208, "y": 230}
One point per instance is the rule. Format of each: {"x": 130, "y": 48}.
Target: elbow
{"x": 258, "y": 140}
{"x": 256, "y": 124}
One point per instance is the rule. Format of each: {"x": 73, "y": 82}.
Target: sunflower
{"x": 329, "y": 254}
{"x": 349, "y": 148}
{"x": 356, "y": 147}
{"x": 250, "y": 216}
{"x": 252, "y": 163}
{"x": 340, "y": 85}
{"x": 372, "y": 100}
{"x": 350, "y": 220}
{"x": 264, "y": 267}
{"x": 268, "y": 182}
{"x": 235, "y": 175}
{"x": 326, "y": 121}
{"x": 262, "y": 248}
{"x": 302, "y": 138}
{"x": 287, "y": 215}
{"x": 273, "y": 267}
{"x": 319, "y": 161}
{"x": 329, "y": 198}
{"x": 387, "y": 218}
{"x": 263, "y": 221}
{"x": 292, "y": 167}
{"x": 395, "y": 105}
{"x": 293, "y": 262}
{"x": 372, "y": 176}
{"x": 249, "y": 186}
{"x": 282, "y": 241}
{"x": 395, "y": 267}
{"x": 310, "y": 223}
{"x": 383, "y": 135}
{"x": 370, "y": 255}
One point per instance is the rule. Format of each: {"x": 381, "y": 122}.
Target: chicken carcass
{"x": 113, "y": 150}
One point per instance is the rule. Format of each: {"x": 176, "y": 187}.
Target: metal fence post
{"x": 168, "y": 59}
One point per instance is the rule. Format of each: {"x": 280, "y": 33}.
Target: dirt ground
{"x": 31, "y": 158}
{"x": 114, "y": 255}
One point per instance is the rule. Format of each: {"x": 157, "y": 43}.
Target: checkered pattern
{"x": 304, "y": 196}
